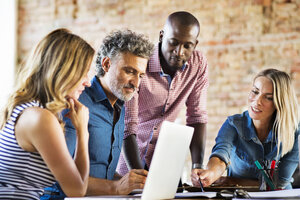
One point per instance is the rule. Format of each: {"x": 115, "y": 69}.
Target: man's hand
{"x": 134, "y": 179}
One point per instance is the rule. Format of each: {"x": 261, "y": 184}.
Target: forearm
{"x": 197, "y": 146}
{"x": 131, "y": 153}
{"x": 82, "y": 156}
{"x": 99, "y": 186}
{"x": 217, "y": 166}
{"x": 286, "y": 168}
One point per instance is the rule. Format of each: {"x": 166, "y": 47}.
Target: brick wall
{"x": 239, "y": 37}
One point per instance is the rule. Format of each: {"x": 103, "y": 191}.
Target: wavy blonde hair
{"x": 286, "y": 117}
{"x": 54, "y": 67}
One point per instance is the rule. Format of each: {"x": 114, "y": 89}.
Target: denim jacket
{"x": 238, "y": 146}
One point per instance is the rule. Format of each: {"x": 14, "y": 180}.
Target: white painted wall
{"x": 8, "y": 19}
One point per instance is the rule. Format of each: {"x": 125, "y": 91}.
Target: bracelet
{"x": 197, "y": 166}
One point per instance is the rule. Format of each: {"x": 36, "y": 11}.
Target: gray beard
{"x": 116, "y": 89}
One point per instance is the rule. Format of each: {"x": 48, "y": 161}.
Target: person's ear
{"x": 161, "y": 35}
{"x": 106, "y": 62}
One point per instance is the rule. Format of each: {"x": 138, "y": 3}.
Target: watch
{"x": 197, "y": 166}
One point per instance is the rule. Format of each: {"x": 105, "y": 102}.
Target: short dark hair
{"x": 122, "y": 41}
{"x": 184, "y": 18}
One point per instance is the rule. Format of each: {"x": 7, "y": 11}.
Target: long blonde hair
{"x": 286, "y": 117}
{"x": 52, "y": 70}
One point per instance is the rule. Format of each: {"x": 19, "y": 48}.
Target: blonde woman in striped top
{"x": 33, "y": 150}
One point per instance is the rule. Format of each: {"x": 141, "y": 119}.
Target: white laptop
{"x": 168, "y": 161}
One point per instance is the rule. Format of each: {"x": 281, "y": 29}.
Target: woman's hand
{"x": 207, "y": 177}
{"x": 79, "y": 115}
{"x": 215, "y": 168}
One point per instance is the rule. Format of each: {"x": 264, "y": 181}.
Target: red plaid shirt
{"x": 159, "y": 98}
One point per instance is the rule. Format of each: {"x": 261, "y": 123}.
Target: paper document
{"x": 103, "y": 197}
{"x": 277, "y": 193}
{"x": 191, "y": 194}
{"x": 196, "y": 194}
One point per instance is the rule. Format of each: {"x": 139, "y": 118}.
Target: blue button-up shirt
{"x": 238, "y": 146}
{"x": 105, "y": 140}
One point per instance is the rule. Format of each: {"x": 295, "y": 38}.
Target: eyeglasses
{"x": 238, "y": 193}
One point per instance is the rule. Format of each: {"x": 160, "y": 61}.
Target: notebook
{"x": 168, "y": 161}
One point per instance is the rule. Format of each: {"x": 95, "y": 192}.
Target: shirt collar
{"x": 154, "y": 62}
{"x": 252, "y": 133}
{"x": 100, "y": 95}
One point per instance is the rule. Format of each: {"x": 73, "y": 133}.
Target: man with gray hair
{"x": 120, "y": 64}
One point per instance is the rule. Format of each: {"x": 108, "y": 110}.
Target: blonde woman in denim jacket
{"x": 271, "y": 121}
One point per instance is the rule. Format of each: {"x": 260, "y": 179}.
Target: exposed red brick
{"x": 239, "y": 38}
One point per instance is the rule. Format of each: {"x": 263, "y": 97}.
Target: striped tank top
{"x": 23, "y": 174}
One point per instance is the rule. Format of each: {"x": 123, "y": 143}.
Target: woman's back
{"x": 24, "y": 174}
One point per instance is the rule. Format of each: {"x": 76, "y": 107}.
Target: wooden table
{"x": 228, "y": 183}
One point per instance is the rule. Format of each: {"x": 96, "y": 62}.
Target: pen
{"x": 268, "y": 180}
{"x": 201, "y": 185}
{"x": 268, "y": 173}
{"x": 273, "y": 163}
{"x": 266, "y": 170}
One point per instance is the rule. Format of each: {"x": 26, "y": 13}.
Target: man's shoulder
{"x": 197, "y": 57}
{"x": 91, "y": 99}
{"x": 86, "y": 96}
{"x": 197, "y": 67}
{"x": 92, "y": 94}
{"x": 198, "y": 53}
{"x": 198, "y": 62}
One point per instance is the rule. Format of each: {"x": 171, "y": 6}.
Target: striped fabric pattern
{"x": 23, "y": 175}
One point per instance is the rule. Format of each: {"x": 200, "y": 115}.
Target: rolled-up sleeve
{"x": 288, "y": 164}
{"x": 224, "y": 142}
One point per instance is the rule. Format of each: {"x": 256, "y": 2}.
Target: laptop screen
{"x": 168, "y": 161}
